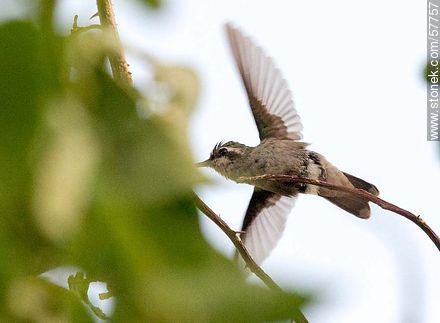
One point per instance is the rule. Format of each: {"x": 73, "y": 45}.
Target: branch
{"x": 359, "y": 192}
{"x": 235, "y": 238}
{"x": 117, "y": 60}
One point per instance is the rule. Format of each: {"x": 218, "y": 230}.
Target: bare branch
{"x": 235, "y": 238}
{"x": 118, "y": 61}
{"x": 359, "y": 192}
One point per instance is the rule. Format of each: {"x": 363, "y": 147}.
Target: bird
{"x": 280, "y": 152}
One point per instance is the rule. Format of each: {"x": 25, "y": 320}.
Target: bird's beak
{"x": 206, "y": 163}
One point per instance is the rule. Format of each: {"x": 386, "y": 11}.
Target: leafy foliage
{"x": 154, "y": 4}
{"x": 87, "y": 180}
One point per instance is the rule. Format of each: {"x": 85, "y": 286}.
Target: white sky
{"x": 354, "y": 68}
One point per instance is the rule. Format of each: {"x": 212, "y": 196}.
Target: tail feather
{"x": 352, "y": 204}
{"x": 360, "y": 183}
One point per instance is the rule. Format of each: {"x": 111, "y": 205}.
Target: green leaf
{"x": 183, "y": 87}
{"x": 144, "y": 157}
{"x": 21, "y": 87}
{"x": 36, "y": 300}
{"x": 65, "y": 174}
{"x": 26, "y": 81}
{"x": 153, "y": 4}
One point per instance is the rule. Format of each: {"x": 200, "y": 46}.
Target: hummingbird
{"x": 280, "y": 152}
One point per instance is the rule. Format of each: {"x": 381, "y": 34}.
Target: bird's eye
{"x": 222, "y": 151}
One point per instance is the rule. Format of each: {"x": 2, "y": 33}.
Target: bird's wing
{"x": 264, "y": 222}
{"x": 269, "y": 96}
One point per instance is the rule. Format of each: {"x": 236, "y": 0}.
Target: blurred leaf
{"x": 87, "y": 50}
{"x": 154, "y": 4}
{"x": 144, "y": 157}
{"x": 22, "y": 74}
{"x": 182, "y": 87}
{"x": 36, "y": 300}
{"x": 25, "y": 83}
{"x": 425, "y": 72}
{"x": 63, "y": 181}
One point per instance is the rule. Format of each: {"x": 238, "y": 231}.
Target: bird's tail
{"x": 353, "y": 204}
{"x": 360, "y": 183}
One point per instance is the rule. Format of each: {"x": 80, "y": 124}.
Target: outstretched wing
{"x": 264, "y": 222}
{"x": 269, "y": 97}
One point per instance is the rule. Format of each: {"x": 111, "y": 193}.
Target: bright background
{"x": 355, "y": 70}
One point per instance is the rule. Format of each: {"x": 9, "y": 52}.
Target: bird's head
{"x": 224, "y": 156}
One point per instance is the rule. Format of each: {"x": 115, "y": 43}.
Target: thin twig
{"x": 77, "y": 29}
{"x": 235, "y": 238}
{"x": 359, "y": 192}
{"x": 117, "y": 60}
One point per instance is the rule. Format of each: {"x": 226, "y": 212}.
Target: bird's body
{"x": 272, "y": 156}
{"x": 279, "y": 153}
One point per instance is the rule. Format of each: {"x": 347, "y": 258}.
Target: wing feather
{"x": 269, "y": 96}
{"x": 264, "y": 222}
